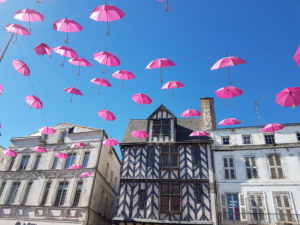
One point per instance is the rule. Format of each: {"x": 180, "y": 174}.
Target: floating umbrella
{"x": 10, "y": 152}
{"x": 272, "y": 127}
{"x": 1, "y": 1}
{"x": 297, "y": 56}
{"x": 34, "y": 102}
{"x": 229, "y": 121}
{"x": 66, "y": 25}
{"x": 21, "y": 67}
{"x": 141, "y": 98}
{"x": 160, "y": 63}
{"x": 107, "y": 59}
{"x": 42, "y": 49}
{"x": 106, "y": 115}
{"x": 199, "y": 133}
{"x": 190, "y": 113}
{"x": 101, "y": 82}
{"x": 289, "y": 97}
{"x": 226, "y": 62}
{"x": 73, "y": 91}
{"x": 29, "y": 15}
{"x": 79, "y": 62}
{"x": 110, "y": 142}
{"x": 78, "y": 144}
{"x": 75, "y": 167}
{"x": 61, "y": 155}
{"x": 167, "y": 6}
{"x": 47, "y": 130}
{"x": 1, "y": 89}
{"x": 228, "y": 92}
{"x": 65, "y": 52}
{"x": 172, "y": 84}
{"x": 107, "y": 13}
{"x": 86, "y": 174}
{"x": 140, "y": 134}
{"x": 17, "y": 29}
{"x": 123, "y": 75}
{"x": 39, "y": 149}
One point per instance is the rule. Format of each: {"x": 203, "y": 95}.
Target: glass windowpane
{"x": 165, "y": 189}
{"x": 175, "y": 189}
{"x": 165, "y": 203}
{"x": 175, "y": 203}
{"x": 86, "y": 159}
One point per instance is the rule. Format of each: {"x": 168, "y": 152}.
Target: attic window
{"x": 161, "y": 127}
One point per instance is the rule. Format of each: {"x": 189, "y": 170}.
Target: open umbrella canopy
{"x": 101, "y": 82}
{"x": 74, "y": 91}
{"x": 86, "y": 174}
{"x": 42, "y": 49}
{"x": 39, "y": 149}
{"x": 61, "y": 155}
{"x": 297, "y": 56}
{"x": 106, "y": 115}
{"x": 190, "y": 113}
{"x": 140, "y": 134}
{"x": 272, "y": 127}
{"x": 289, "y": 97}
{"x": 172, "y": 85}
{"x": 78, "y": 144}
{"x": 110, "y": 142}
{"x": 1, "y": 89}
{"x": 65, "y": 51}
{"x": 107, "y": 59}
{"x": 229, "y": 121}
{"x": 160, "y": 63}
{"x": 34, "y": 102}
{"x": 29, "y": 15}
{"x": 10, "y": 152}
{"x": 123, "y": 75}
{"x": 1, "y": 1}
{"x": 67, "y": 25}
{"x": 21, "y": 67}
{"x": 228, "y": 92}
{"x": 47, "y": 130}
{"x": 198, "y": 133}
{"x": 79, "y": 62}
{"x": 142, "y": 98}
{"x": 18, "y": 29}
{"x": 75, "y": 167}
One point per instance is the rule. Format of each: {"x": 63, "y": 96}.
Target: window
{"x": 55, "y": 163}
{"x": 269, "y": 138}
{"x": 150, "y": 156}
{"x": 45, "y": 137}
{"x": 46, "y": 192}
{"x": 283, "y": 207}
{"x": 63, "y": 135}
{"x": 2, "y": 188}
{"x": 251, "y": 168}
{"x": 275, "y": 167}
{"x": 247, "y": 139}
{"x": 61, "y": 193}
{"x": 26, "y": 193}
{"x": 256, "y": 207}
{"x": 11, "y": 163}
{"x": 198, "y": 193}
{"x": 169, "y": 157}
{"x": 37, "y": 161}
{"x": 298, "y": 136}
{"x": 142, "y": 199}
{"x": 161, "y": 127}
{"x": 170, "y": 197}
{"x": 13, "y": 192}
{"x": 106, "y": 171}
{"x": 77, "y": 193}
{"x": 71, "y": 130}
{"x": 70, "y": 160}
{"x": 24, "y": 162}
{"x": 229, "y": 173}
{"x": 233, "y": 207}
{"x": 225, "y": 140}
{"x": 196, "y": 158}
{"x": 85, "y": 159}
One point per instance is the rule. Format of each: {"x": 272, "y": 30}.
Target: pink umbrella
{"x": 101, "y": 82}
{"x": 272, "y": 127}
{"x": 172, "y": 84}
{"x": 289, "y": 97}
{"x": 107, "y": 13}
{"x": 123, "y": 75}
{"x": 66, "y": 52}
{"x": 34, "y": 102}
{"x": 1, "y": 89}
{"x": 47, "y": 130}
{"x": 29, "y": 15}
{"x": 106, "y": 115}
{"x": 199, "y": 133}
{"x": 21, "y": 67}
{"x": 2, "y": 1}
{"x": 110, "y": 142}
{"x": 107, "y": 59}
{"x": 140, "y": 134}
{"x": 79, "y": 62}
{"x": 17, "y": 29}
{"x": 228, "y": 92}
{"x": 229, "y": 121}
{"x": 141, "y": 98}
{"x": 10, "y": 152}
{"x": 42, "y": 49}
{"x": 73, "y": 91}
{"x": 86, "y": 174}
{"x": 190, "y": 113}
{"x": 297, "y": 56}
{"x": 39, "y": 149}
{"x": 160, "y": 63}
{"x": 226, "y": 62}
{"x": 75, "y": 167}
{"x": 61, "y": 155}
{"x": 66, "y": 25}
{"x": 78, "y": 144}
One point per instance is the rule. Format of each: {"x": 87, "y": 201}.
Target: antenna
{"x": 256, "y": 108}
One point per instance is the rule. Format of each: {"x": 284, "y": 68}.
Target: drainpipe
{"x": 100, "y": 149}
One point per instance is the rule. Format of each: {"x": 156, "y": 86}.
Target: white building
{"x": 39, "y": 189}
{"x": 258, "y": 175}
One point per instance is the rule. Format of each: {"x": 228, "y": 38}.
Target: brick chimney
{"x": 208, "y": 117}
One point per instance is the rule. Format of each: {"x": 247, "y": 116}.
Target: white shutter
{"x": 284, "y": 207}
{"x": 229, "y": 172}
{"x": 243, "y": 210}
{"x": 275, "y": 167}
{"x": 223, "y": 207}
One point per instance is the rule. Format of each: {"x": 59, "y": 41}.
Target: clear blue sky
{"x": 191, "y": 28}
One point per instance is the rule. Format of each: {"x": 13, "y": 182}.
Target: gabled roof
{"x": 161, "y": 108}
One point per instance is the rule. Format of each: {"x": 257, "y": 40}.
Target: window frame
{"x": 63, "y": 194}
{"x": 142, "y": 206}
{"x": 161, "y": 125}
{"x": 23, "y": 168}
{"x": 55, "y": 162}
{"x": 37, "y": 162}
{"x": 11, "y": 163}
{"x": 62, "y": 133}
{"x": 170, "y": 197}
{"x": 222, "y": 137}
{"x": 67, "y": 160}
{"x": 169, "y": 155}
{"x": 229, "y": 168}
{"x": 276, "y": 166}
{"x": 198, "y": 198}
{"x": 27, "y": 192}
{"x": 250, "y": 139}
{"x": 3, "y": 184}
{"x": 196, "y": 157}
{"x": 283, "y": 207}
{"x": 298, "y": 136}
{"x": 267, "y": 136}
{"x": 77, "y": 194}
{"x": 46, "y": 189}
{"x": 86, "y": 161}
{"x": 13, "y": 194}
{"x": 251, "y": 167}
{"x": 260, "y": 210}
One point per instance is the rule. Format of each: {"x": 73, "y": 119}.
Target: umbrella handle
{"x": 79, "y": 71}
{"x": 140, "y": 106}
{"x": 123, "y": 84}
{"x": 16, "y": 72}
{"x": 104, "y": 70}
{"x": 167, "y": 6}
{"x": 108, "y": 32}
{"x": 50, "y": 56}
{"x": 228, "y": 102}
{"x": 173, "y": 94}
{"x": 104, "y": 122}
{"x": 160, "y": 75}
{"x": 62, "y": 64}
{"x": 40, "y": 1}
{"x": 99, "y": 89}
{"x": 15, "y": 40}
{"x": 71, "y": 98}
{"x": 67, "y": 41}
{"x": 229, "y": 75}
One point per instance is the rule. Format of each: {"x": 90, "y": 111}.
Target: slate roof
{"x": 134, "y": 125}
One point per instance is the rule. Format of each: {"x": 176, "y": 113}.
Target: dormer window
{"x": 161, "y": 127}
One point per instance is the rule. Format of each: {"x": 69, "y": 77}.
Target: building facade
{"x": 257, "y": 175}
{"x": 168, "y": 177}
{"x": 40, "y": 189}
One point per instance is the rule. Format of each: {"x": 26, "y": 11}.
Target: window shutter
{"x": 243, "y": 207}
{"x": 229, "y": 172}
{"x": 223, "y": 207}
{"x": 232, "y": 173}
{"x": 272, "y": 167}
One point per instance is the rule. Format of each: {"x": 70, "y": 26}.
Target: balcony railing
{"x": 239, "y": 218}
